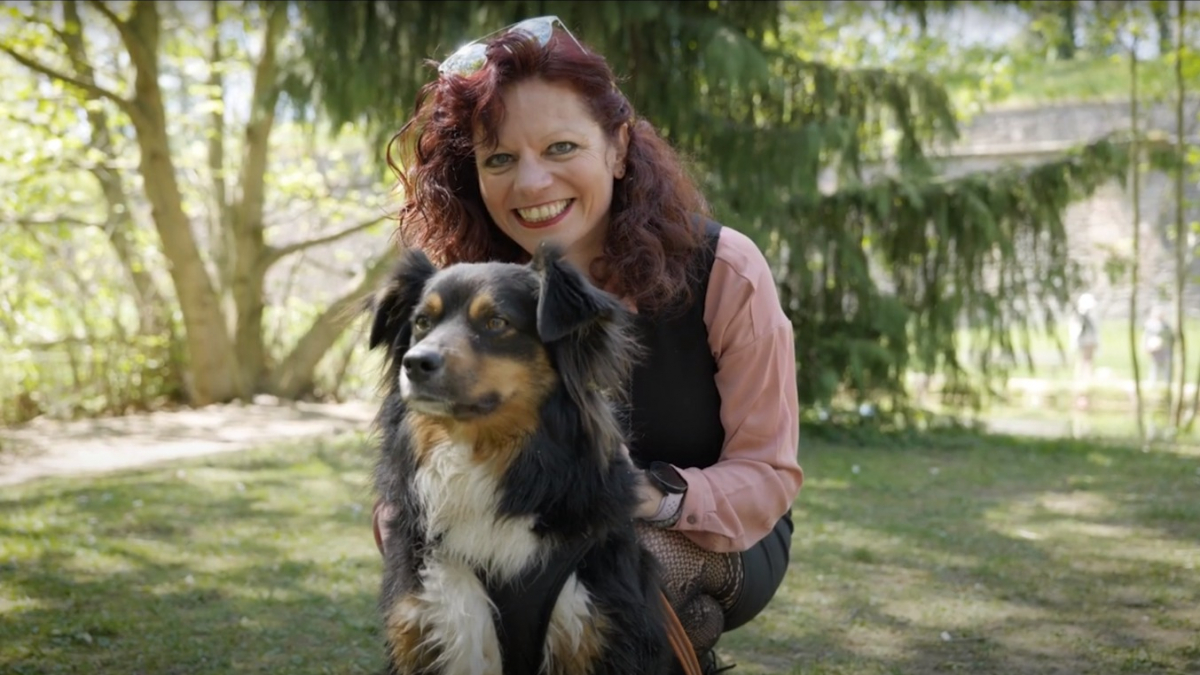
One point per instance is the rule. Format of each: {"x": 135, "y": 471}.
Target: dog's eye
{"x": 496, "y": 323}
{"x": 421, "y": 322}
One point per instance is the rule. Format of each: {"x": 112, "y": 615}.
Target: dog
{"x": 512, "y": 547}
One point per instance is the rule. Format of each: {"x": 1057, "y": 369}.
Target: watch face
{"x": 667, "y": 478}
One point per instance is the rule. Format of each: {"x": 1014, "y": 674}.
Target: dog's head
{"x": 477, "y": 340}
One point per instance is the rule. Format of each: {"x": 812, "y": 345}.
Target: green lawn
{"x": 1113, "y": 360}
{"x": 1090, "y": 78}
{"x": 952, "y": 555}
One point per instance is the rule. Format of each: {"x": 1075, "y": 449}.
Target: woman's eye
{"x": 498, "y": 160}
{"x": 562, "y": 147}
{"x": 496, "y": 324}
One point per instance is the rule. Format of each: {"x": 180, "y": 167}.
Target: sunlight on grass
{"x": 985, "y": 559}
{"x": 976, "y": 554}
{"x": 262, "y": 562}
{"x": 1089, "y": 78}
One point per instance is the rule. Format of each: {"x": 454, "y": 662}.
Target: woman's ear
{"x": 622, "y": 151}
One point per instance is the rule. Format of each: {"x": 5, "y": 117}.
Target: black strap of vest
{"x": 524, "y": 605}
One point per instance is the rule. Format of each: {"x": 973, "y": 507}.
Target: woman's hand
{"x": 379, "y": 513}
{"x": 649, "y": 497}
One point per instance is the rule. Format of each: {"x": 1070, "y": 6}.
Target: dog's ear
{"x": 394, "y": 303}
{"x": 568, "y": 302}
{"x": 591, "y": 339}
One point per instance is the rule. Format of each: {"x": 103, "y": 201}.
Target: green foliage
{"x": 803, "y": 128}
{"x": 895, "y": 267}
{"x": 69, "y": 334}
{"x": 876, "y": 273}
{"x": 259, "y": 205}
{"x": 1088, "y": 79}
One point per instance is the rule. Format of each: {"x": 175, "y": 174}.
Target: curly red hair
{"x": 654, "y": 227}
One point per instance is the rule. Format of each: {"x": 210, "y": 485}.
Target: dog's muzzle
{"x": 427, "y": 384}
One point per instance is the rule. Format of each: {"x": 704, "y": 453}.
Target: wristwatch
{"x": 667, "y": 479}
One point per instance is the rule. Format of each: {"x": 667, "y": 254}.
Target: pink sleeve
{"x": 734, "y": 503}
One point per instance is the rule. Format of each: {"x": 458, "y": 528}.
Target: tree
{"x": 217, "y": 274}
{"x": 879, "y": 274}
{"x": 1137, "y": 238}
{"x": 1161, "y": 10}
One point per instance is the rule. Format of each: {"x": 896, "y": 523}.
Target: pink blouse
{"x": 734, "y": 503}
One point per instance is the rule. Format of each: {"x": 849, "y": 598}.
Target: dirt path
{"x": 57, "y": 448}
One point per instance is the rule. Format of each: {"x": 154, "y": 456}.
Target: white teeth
{"x": 543, "y": 212}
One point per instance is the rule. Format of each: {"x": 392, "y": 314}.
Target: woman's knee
{"x": 763, "y": 569}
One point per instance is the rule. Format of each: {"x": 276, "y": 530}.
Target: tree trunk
{"x": 1066, "y": 41}
{"x": 212, "y": 366}
{"x": 1181, "y": 229}
{"x": 221, "y": 217}
{"x": 295, "y": 376}
{"x": 1135, "y": 155}
{"x": 250, "y": 262}
{"x": 1162, "y": 21}
{"x": 153, "y": 310}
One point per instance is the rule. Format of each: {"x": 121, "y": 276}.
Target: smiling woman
{"x": 525, "y": 138}
{"x": 550, "y": 174}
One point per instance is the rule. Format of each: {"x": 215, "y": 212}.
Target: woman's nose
{"x": 532, "y": 176}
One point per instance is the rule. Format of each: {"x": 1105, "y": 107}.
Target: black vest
{"x": 676, "y": 408}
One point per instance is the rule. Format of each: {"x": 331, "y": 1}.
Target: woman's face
{"x": 550, "y": 175}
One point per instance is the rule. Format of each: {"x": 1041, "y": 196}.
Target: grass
{"x": 965, "y": 554}
{"x": 251, "y": 564}
{"x": 1113, "y": 359}
{"x": 1089, "y": 78}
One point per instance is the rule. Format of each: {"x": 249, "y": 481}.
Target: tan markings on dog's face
{"x": 575, "y": 637}
{"x": 482, "y": 306}
{"x": 411, "y": 651}
{"x": 522, "y": 387}
{"x": 434, "y": 305}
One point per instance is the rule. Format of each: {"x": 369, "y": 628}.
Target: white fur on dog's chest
{"x": 454, "y": 614}
{"x": 460, "y": 498}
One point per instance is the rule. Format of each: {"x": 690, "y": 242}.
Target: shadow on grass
{"x": 986, "y": 555}
{"x": 926, "y": 554}
{"x": 253, "y": 564}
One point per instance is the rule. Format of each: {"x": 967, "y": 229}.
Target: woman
{"x": 525, "y": 137}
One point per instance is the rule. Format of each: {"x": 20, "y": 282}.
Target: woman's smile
{"x": 544, "y": 215}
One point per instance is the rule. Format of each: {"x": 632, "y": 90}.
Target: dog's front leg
{"x": 410, "y": 649}
{"x": 447, "y": 627}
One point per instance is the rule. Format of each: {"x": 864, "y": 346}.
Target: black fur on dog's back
{"x": 566, "y": 473}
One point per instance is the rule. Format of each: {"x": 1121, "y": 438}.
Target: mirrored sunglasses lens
{"x": 540, "y": 29}
{"x": 465, "y": 61}
{"x": 472, "y": 57}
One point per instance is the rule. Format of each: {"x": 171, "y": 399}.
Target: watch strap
{"x": 668, "y": 510}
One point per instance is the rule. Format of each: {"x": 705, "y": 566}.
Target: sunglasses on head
{"x": 471, "y": 57}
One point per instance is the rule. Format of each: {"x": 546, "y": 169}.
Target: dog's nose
{"x": 422, "y": 364}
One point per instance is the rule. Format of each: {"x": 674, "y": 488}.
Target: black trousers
{"x": 763, "y": 567}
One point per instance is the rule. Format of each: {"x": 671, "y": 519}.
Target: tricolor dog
{"x": 511, "y": 549}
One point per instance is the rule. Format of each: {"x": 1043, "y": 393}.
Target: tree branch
{"x": 263, "y": 101}
{"x": 25, "y": 221}
{"x": 88, "y": 87}
{"x": 274, "y": 254}
{"x": 295, "y": 374}
{"x": 112, "y": 17}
